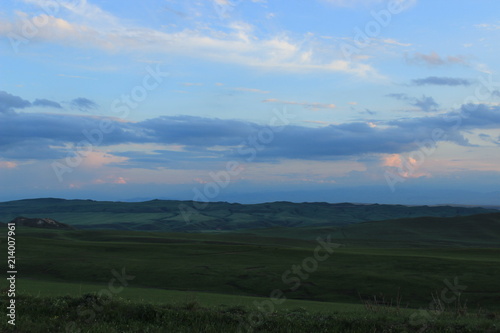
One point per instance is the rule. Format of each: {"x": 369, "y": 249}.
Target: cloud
{"x": 394, "y": 42}
{"x": 434, "y": 59}
{"x": 110, "y": 180}
{"x": 196, "y": 131}
{"x": 399, "y": 96}
{"x": 403, "y": 4}
{"x": 76, "y": 76}
{"x": 97, "y": 159}
{"x": 191, "y": 84}
{"x": 401, "y": 166}
{"x": 253, "y": 90}
{"x": 83, "y": 104}
{"x": 91, "y": 27}
{"x": 7, "y": 165}
{"x": 50, "y": 136}
{"x": 46, "y": 103}
{"x": 488, "y": 26}
{"x": 9, "y": 102}
{"x": 307, "y": 105}
{"x": 425, "y": 103}
{"x": 369, "y": 112}
{"x": 351, "y": 3}
{"x": 489, "y": 138}
{"x": 38, "y": 136}
{"x": 441, "y": 81}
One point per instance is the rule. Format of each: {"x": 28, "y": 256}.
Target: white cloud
{"x": 222, "y": 2}
{"x": 307, "y": 105}
{"x": 259, "y": 91}
{"x": 394, "y": 42}
{"x": 87, "y": 26}
{"x": 403, "y": 4}
{"x": 191, "y": 84}
{"x": 488, "y": 26}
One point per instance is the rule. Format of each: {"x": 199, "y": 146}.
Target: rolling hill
{"x": 182, "y": 216}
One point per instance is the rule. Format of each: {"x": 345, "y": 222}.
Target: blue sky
{"x": 392, "y": 101}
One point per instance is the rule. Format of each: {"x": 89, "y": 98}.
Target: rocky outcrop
{"x": 37, "y": 222}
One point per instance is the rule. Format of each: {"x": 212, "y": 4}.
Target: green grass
{"x": 39, "y": 288}
{"x": 91, "y": 313}
{"x": 253, "y": 266}
{"x": 481, "y": 230}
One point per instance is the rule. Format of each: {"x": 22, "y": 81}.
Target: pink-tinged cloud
{"x": 120, "y": 180}
{"x": 393, "y": 160}
{"x": 97, "y": 159}
{"x": 7, "y": 165}
{"x": 110, "y": 180}
{"x": 406, "y": 167}
{"x": 434, "y": 59}
{"x": 200, "y": 181}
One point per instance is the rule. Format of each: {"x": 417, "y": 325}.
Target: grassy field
{"x": 255, "y": 266}
{"x": 38, "y": 288}
{"x": 92, "y": 313}
{"x": 368, "y": 276}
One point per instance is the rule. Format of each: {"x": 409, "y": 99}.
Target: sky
{"x": 373, "y": 101}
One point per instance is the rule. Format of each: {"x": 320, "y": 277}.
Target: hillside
{"x": 165, "y": 215}
{"x": 482, "y": 230}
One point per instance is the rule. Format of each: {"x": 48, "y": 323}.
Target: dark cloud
{"x": 9, "y": 102}
{"x": 46, "y": 136}
{"x": 369, "y": 112}
{"x": 468, "y": 117}
{"x": 197, "y": 131}
{"x": 327, "y": 142}
{"x": 425, "y": 103}
{"x": 489, "y": 138}
{"x": 441, "y": 81}
{"x": 83, "y": 104}
{"x": 31, "y": 135}
{"x": 46, "y": 103}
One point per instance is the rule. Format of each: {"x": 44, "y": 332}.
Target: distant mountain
{"x": 189, "y": 216}
{"x": 45, "y": 223}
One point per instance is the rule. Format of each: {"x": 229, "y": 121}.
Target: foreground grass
{"x": 90, "y": 313}
{"x": 39, "y": 288}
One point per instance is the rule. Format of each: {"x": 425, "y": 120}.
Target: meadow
{"x": 396, "y": 275}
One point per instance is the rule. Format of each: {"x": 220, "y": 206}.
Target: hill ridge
{"x": 165, "y": 215}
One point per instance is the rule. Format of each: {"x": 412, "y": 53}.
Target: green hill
{"x": 166, "y": 215}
